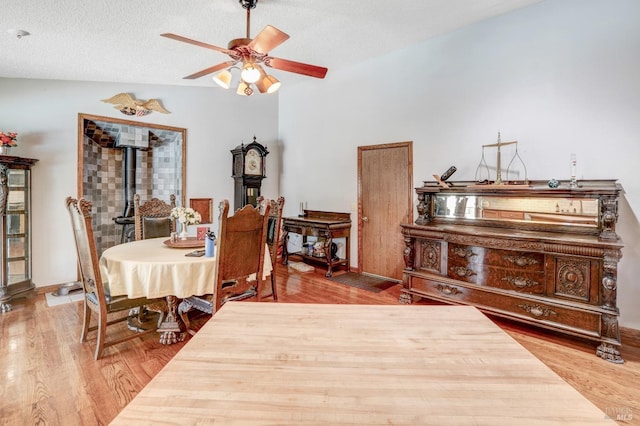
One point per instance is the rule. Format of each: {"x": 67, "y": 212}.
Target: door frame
{"x": 410, "y": 204}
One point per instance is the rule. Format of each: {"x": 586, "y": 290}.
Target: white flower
{"x": 186, "y": 215}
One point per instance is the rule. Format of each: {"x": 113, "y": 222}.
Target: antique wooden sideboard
{"x": 326, "y": 226}
{"x": 540, "y": 255}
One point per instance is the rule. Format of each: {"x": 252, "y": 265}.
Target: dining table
{"x": 334, "y": 364}
{"x": 158, "y": 268}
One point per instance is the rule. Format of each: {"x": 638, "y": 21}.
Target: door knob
{"x": 365, "y": 219}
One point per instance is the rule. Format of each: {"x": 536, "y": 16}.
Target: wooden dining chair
{"x": 96, "y": 292}
{"x": 152, "y": 218}
{"x": 273, "y": 237}
{"x": 240, "y": 252}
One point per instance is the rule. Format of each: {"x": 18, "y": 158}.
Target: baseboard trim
{"x": 630, "y": 336}
{"x": 50, "y": 288}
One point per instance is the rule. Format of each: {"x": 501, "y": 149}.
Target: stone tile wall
{"x": 158, "y": 171}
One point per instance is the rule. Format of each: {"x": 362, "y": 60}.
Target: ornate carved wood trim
{"x": 408, "y": 253}
{"x": 431, "y": 254}
{"x": 572, "y": 278}
{"x": 499, "y": 243}
{"x": 573, "y": 249}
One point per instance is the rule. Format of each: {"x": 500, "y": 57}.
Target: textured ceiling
{"x": 119, "y": 40}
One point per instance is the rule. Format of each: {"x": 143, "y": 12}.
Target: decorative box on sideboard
{"x": 540, "y": 255}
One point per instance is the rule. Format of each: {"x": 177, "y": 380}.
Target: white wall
{"x": 560, "y": 77}
{"x": 45, "y": 115}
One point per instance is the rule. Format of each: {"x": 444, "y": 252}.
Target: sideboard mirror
{"x": 581, "y": 212}
{"x": 590, "y": 208}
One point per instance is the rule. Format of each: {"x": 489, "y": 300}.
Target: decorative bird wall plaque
{"x": 128, "y": 105}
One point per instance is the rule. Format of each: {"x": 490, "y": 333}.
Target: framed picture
{"x": 201, "y": 233}
{"x": 204, "y": 206}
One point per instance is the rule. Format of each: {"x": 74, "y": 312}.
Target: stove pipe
{"x": 129, "y": 180}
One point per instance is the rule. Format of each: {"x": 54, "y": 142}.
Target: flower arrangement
{"x": 8, "y": 139}
{"x": 186, "y": 215}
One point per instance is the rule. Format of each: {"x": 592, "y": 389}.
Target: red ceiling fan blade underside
{"x": 198, "y": 43}
{"x": 296, "y": 67}
{"x": 268, "y": 39}
{"x": 209, "y": 70}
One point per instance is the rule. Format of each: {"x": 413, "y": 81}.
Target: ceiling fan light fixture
{"x": 271, "y": 83}
{"x": 244, "y": 89}
{"x": 250, "y": 74}
{"x": 246, "y": 56}
{"x": 260, "y": 84}
{"x": 223, "y": 79}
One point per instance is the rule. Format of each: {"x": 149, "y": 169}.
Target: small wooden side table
{"x": 325, "y": 226}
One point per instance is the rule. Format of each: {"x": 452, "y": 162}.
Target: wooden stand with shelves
{"x": 326, "y": 226}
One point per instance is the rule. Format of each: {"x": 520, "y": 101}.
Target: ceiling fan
{"x": 249, "y": 54}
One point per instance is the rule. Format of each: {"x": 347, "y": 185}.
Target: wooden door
{"x": 385, "y": 179}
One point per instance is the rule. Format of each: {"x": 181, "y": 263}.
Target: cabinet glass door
{"x": 17, "y": 241}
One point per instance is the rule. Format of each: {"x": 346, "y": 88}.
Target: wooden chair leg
{"x": 273, "y": 285}
{"x": 102, "y": 334}
{"x": 86, "y": 319}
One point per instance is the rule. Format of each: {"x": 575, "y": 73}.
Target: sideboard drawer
{"x": 553, "y": 315}
{"x": 529, "y": 261}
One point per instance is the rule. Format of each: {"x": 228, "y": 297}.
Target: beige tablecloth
{"x": 151, "y": 269}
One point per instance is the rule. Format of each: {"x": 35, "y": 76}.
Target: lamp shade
{"x": 244, "y": 89}
{"x": 267, "y": 83}
{"x": 250, "y": 73}
{"x": 223, "y": 79}
{"x": 271, "y": 83}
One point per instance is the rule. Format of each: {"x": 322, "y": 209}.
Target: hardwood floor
{"x": 49, "y": 378}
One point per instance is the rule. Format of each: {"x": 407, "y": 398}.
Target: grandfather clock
{"x": 248, "y": 172}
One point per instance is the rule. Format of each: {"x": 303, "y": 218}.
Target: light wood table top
{"x": 277, "y": 363}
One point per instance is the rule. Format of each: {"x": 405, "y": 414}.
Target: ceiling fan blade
{"x": 268, "y": 39}
{"x": 197, "y": 43}
{"x": 297, "y": 67}
{"x": 209, "y": 70}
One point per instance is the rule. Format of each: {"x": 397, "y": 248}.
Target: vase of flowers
{"x": 7, "y": 141}
{"x": 186, "y": 216}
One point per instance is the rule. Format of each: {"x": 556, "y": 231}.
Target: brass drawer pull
{"x": 464, "y": 253}
{"x": 537, "y": 310}
{"x": 447, "y": 289}
{"x": 461, "y": 271}
{"x": 521, "y": 260}
{"x": 521, "y": 282}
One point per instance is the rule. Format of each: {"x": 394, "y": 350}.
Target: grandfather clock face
{"x": 253, "y": 163}
{"x": 248, "y": 173}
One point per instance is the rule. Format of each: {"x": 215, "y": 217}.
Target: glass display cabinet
{"x": 15, "y": 209}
